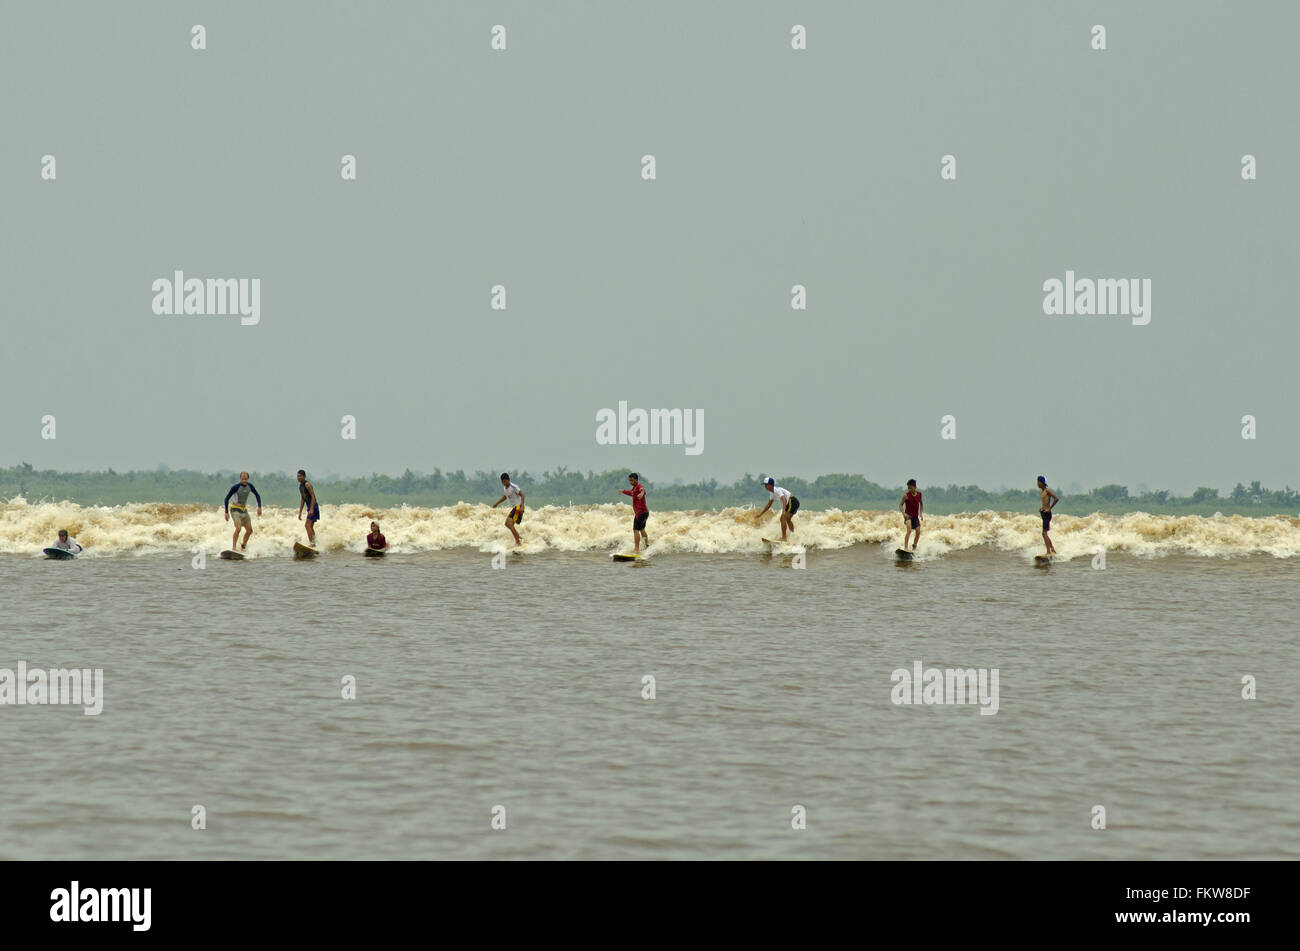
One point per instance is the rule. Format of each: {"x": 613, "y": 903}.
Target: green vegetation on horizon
{"x": 561, "y": 487}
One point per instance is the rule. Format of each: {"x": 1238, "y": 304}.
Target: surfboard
{"x": 902, "y": 554}
{"x": 786, "y": 547}
{"x": 232, "y": 556}
{"x": 1042, "y": 561}
{"x": 375, "y": 552}
{"x": 301, "y": 551}
{"x": 59, "y": 554}
{"x": 629, "y": 556}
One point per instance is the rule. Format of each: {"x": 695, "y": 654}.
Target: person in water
{"x": 375, "y": 539}
{"x": 243, "y": 520}
{"x": 640, "y": 512}
{"x": 788, "y": 503}
{"x": 516, "y": 497}
{"x": 910, "y": 506}
{"x": 312, "y": 504}
{"x": 1047, "y": 500}
{"x": 65, "y": 543}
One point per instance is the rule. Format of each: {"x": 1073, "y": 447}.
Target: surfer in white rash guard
{"x": 65, "y": 543}
{"x": 243, "y": 520}
{"x": 516, "y": 497}
{"x": 788, "y": 503}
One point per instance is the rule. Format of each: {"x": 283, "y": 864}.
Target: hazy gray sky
{"x": 775, "y": 167}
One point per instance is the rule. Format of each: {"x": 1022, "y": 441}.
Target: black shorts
{"x": 793, "y": 506}
{"x": 638, "y": 523}
{"x": 916, "y": 522}
{"x": 516, "y": 514}
{"x": 1047, "y": 520}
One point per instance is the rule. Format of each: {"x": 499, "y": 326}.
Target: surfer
{"x": 243, "y": 520}
{"x": 640, "y": 512}
{"x": 516, "y": 497}
{"x": 1045, "y": 510}
{"x": 67, "y": 544}
{"x": 789, "y": 505}
{"x": 308, "y": 493}
{"x": 910, "y": 506}
{"x": 376, "y": 540}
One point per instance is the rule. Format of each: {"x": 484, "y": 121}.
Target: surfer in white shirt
{"x": 516, "y": 497}
{"x": 65, "y": 543}
{"x": 785, "y": 501}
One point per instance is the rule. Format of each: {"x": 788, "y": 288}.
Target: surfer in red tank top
{"x": 910, "y": 506}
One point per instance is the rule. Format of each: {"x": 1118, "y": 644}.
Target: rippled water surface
{"x": 522, "y": 688}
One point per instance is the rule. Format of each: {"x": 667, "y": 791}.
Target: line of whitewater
{"x": 147, "y": 528}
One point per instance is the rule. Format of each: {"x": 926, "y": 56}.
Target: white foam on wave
{"x": 145, "y": 528}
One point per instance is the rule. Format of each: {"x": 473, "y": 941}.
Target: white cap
{"x": 769, "y": 481}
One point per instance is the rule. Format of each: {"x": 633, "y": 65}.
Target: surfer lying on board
{"x": 910, "y": 506}
{"x": 1045, "y": 510}
{"x": 243, "y": 520}
{"x": 789, "y": 505}
{"x": 516, "y": 497}
{"x": 375, "y": 540}
{"x": 65, "y": 543}
{"x": 308, "y": 493}
{"x": 640, "y": 512}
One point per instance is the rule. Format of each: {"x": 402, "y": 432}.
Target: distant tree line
{"x": 562, "y": 487}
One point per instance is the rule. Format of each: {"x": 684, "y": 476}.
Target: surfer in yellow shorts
{"x": 239, "y": 507}
{"x": 516, "y": 497}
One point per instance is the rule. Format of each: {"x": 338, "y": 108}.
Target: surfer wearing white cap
{"x": 789, "y": 505}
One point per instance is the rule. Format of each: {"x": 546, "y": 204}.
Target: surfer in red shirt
{"x": 640, "y": 513}
{"x": 910, "y": 506}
